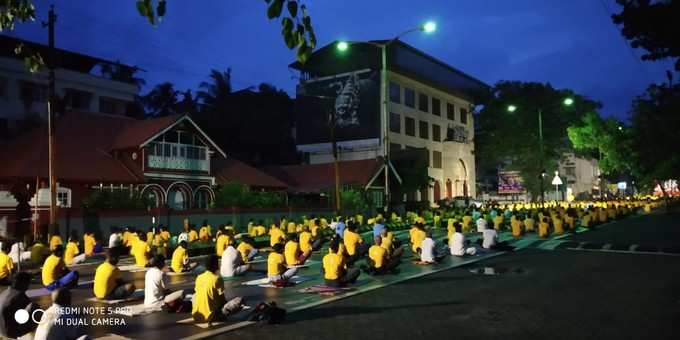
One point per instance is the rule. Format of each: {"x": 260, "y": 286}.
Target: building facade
{"x": 580, "y": 175}
{"x": 429, "y": 106}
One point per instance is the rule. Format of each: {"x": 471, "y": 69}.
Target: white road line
{"x": 625, "y": 252}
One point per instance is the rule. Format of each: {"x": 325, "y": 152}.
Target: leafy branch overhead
{"x": 296, "y": 24}
{"x": 11, "y": 12}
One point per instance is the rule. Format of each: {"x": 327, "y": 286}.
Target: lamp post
{"x": 342, "y": 46}
{"x": 568, "y": 101}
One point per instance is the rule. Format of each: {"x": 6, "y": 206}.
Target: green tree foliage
{"x": 651, "y": 25}
{"x": 655, "y": 138}
{"x": 239, "y": 195}
{"x": 161, "y": 100}
{"x": 116, "y": 199}
{"x": 607, "y": 138}
{"x": 353, "y": 202}
{"x": 510, "y": 140}
{"x": 411, "y": 165}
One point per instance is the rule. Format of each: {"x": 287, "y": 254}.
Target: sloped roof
{"x": 316, "y": 177}
{"x": 134, "y": 135}
{"x": 232, "y": 170}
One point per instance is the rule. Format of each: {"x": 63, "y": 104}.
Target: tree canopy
{"x": 607, "y": 138}
{"x": 510, "y": 140}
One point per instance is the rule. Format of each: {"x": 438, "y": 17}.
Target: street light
{"x": 568, "y": 101}
{"x": 343, "y": 46}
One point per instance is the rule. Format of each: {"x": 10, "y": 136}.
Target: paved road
{"x": 560, "y": 294}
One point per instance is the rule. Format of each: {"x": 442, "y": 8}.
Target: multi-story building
{"x": 83, "y": 82}
{"x": 580, "y": 175}
{"x": 429, "y": 108}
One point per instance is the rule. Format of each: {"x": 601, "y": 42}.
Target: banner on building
{"x": 670, "y": 187}
{"x": 353, "y": 97}
{"x": 510, "y": 182}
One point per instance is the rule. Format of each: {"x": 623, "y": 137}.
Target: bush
{"x": 116, "y": 199}
{"x": 353, "y": 202}
{"x": 239, "y": 195}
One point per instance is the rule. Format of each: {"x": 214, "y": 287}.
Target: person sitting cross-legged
{"x": 71, "y": 253}
{"x": 180, "y": 259}
{"x": 457, "y": 243}
{"x": 335, "y": 271}
{"x": 208, "y": 302}
{"x": 155, "y": 292}
{"x": 108, "y": 284}
{"x": 490, "y": 240}
{"x": 232, "y": 261}
{"x": 277, "y": 272}
{"x": 428, "y": 250}
{"x": 54, "y": 271}
{"x": 6, "y": 266}
{"x": 292, "y": 252}
{"x": 354, "y": 244}
{"x": 247, "y": 249}
{"x": 381, "y": 262}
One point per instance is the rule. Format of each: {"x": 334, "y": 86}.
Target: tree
{"x": 510, "y": 140}
{"x": 651, "y": 25}
{"x": 607, "y": 138}
{"x": 655, "y": 123}
{"x": 161, "y": 100}
{"x": 215, "y": 92}
{"x": 296, "y": 24}
{"x": 188, "y": 104}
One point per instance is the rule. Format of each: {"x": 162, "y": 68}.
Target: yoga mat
{"x": 137, "y": 295}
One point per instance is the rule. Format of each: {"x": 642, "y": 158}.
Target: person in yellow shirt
{"x": 6, "y": 265}
{"x": 390, "y": 243}
{"x": 141, "y": 251}
{"x": 558, "y": 227}
{"x": 246, "y": 249}
{"x": 71, "y": 253}
{"x": 498, "y": 222}
{"x": 209, "y": 303}
{"x": 204, "y": 233}
{"x": 516, "y": 226}
{"x": 277, "y": 272}
{"x": 380, "y": 261}
{"x": 543, "y": 227}
{"x": 108, "y": 284}
{"x": 88, "y": 243}
{"x": 180, "y": 259}
{"x": 55, "y": 241}
{"x": 292, "y": 252}
{"x": 259, "y": 229}
{"x": 221, "y": 243}
{"x": 54, "y": 271}
{"x": 290, "y": 227}
{"x": 335, "y": 271}
{"x": 354, "y": 244}
{"x": 39, "y": 251}
{"x": 193, "y": 235}
{"x": 165, "y": 234}
{"x": 417, "y": 238}
{"x": 467, "y": 220}
{"x": 275, "y": 235}
{"x": 529, "y": 223}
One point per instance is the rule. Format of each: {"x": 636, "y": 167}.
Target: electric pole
{"x": 52, "y": 18}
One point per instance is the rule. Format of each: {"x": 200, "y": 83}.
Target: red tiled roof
{"x": 232, "y": 170}
{"x": 316, "y": 177}
{"x": 133, "y": 135}
{"x": 83, "y": 142}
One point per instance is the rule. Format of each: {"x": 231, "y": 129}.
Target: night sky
{"x": 570, "y": 44}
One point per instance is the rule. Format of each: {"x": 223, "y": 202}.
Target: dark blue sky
{"x": 570, "y": 44}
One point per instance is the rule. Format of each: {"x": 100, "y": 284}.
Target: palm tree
{"x": 214, "y": 93}
{"x": 161, "y": 100}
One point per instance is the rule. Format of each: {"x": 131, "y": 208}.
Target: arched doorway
{"x": 449, "y": 189}
{"x": 460, "y": 179}
{"x": 179, "y": 196}
{"x": 437, "y": 191}
{"x": 155, "y": 195}
{"x": 203, "y": 197}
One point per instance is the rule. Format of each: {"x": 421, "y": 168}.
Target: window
{"x": 570, "y": 171}
{"x": 463, "y": 116}
{"x": 423, "y": 103}
{"x": 395, "y": 92}
{"x": 410, "y": 126}
{"x": 450, "y": 111}
{"x": 436, "y": 107}
{"x": 395, "y": 122}
{"x": 32, "y": 92}
{"x": 3, "y": 88}
{"x": 424, "y": 129}
{"x": 436, "y": 133}
{"x": 437, "y": 159}
{"x": 78, "y": 99}
{"x": 62, "y": 199}
{"x": 112, "y": 106}
{"x": 409, "y": 97}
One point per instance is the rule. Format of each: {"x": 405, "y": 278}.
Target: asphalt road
{"x": 560, "y": 294}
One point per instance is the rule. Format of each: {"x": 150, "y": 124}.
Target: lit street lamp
{"x": 343, "y": 46}
{"x": 512, "y": 108}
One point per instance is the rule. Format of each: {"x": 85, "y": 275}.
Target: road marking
{"x": 625, "y": 252}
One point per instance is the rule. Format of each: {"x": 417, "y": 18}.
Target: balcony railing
{"x": 175, "y": 156}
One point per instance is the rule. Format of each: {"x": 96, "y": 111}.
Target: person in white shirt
{"x": 490, "y": 240}
{"x": 116, "y": 239}
{"x": 481, "y": 224}
{"x": 51, "y": 329}
{"x": 155, "y": 282}
{"x": 428, "y": 250}
{"x": 18, "y": 252}
{"x": 232, "y": 262}
{"x": 458, "y": 245}
{"x": 183, "y": 236}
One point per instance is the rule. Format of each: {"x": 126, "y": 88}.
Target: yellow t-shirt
{"x": 178, "y": 257}
{"x": 291, "y": 251}
{"x": 221, "y": 244}
{"x": 275, "y": 236}
{"x": 165, "y": 235}
{"x": 543, "y": 229}
{"x": 305, "y": 241}
{"x": 105, "y": 278}
{"x": 351, "y": 240}
{"x": 203, "y": 234}
{"x": 417, "y": 239}
{"x": 332, "y": 264}
{"x": 529, "y": 224}
{"x": 193, "y": 235}
{"x": 38, "y": 253}
{"x": 6, "y": 265}
{"x": 141, "y": 251}
{"x": 497, "y": 221}
{"x": 291, "y": 227}
{"x": 88, "y": 244}
{"x": 70, "y": 252}
{"x": 52, "y": 269}
{"x": 244, "y": 249}
{"x": 557, "y": 224}
{"x": 378, "y": 255}
{"x": 208, "y": 297}
{"x": 275, "y": 264}
{"x": 55, "y": 241}
{"x": 387, "y": 242}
